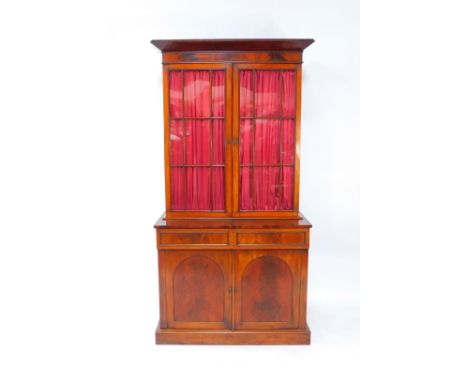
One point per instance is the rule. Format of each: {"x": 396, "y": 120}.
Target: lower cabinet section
{"x": 233, "y": 296}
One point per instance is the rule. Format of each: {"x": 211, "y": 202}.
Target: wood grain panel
{"x": 232, "y": 57}
{"x": 167, "y": 239}
{"x": 267, "y": 289}
{"x": 276, "y": 238}
{"x": 198, "y": 290}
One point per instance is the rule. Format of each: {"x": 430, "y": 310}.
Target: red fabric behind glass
{"x": 217, "y": 92}
{"x": 245, "y": 144}
{"x": 197, "y": 141}
{"x": 176, "y": 142}
{"x": 288, "y": 141}
{"x": 245, "y": 93}
{"x": 197, "y": 93}
{"x": 267, "y": 93}
{"x": 267, "y": 134}
{"x": 177, "y": 188}
{"x": 245, "y": 188}
{"x": 218, "y": 142}
{"x": 175, "y": 94}
{"x": 288, "y": 188}
{"x": 267, "y": 195}
{"x": 197, "y": 188}
{"x": 272, "y": 136}
{"x": 289, "y": 93}
{"x": 218, "y": 188}
{"x": 198, "y": 193}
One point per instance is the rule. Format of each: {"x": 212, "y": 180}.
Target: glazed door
{"x": 198, "y": 289}
{"x": 198, "y": 139}
{"x": 266, "y": 120}
{"x": 267, "y": 289}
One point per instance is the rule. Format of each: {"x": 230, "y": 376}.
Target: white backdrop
{"x": 81, "y": 160}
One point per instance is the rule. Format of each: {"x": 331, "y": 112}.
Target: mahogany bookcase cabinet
{"x": 232, "y": 244}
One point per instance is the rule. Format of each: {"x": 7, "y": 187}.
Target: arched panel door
{"x": 197, "y": 285}
{"x": 267, "y": 291}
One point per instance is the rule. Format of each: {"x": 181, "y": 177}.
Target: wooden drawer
{"x": 192, "y": 239}
{"x": 278, "y": 238}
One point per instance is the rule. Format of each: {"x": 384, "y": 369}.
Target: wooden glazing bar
{"x": 281, "y": 137}
{"x": 183, "y": 139}
{"x": 197, "y": 165}
{"x": 254, "y": 111}
{"x": 265, "y": 165}
{"x": 211, "y": 141}
{"x": 197, "y": 118}
{"x": 269, "y": 118}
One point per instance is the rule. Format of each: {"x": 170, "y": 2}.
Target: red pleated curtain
{"x": 266, "y": 144}
{"x": 196, "y": 112}
{"x": 267, "y": 139}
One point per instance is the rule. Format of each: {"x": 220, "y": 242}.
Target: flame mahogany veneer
{"x": 232, "y": 244}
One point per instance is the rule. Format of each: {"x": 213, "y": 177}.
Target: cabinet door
{"x": 266, "y": 132}
{"x": 197, "y": 139}
{"x": 197, "y": 289}
{"x": 267, "y": 289}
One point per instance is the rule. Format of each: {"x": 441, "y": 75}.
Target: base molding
{"x": 233, "y": 337}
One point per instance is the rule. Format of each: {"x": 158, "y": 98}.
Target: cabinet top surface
{"x": 300, "y": 222}
{"x": 232, "y": 44}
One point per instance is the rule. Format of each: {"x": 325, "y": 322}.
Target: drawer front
{"x": 193, "y": 239}
{"x": 233, "y": 239}
{"x": 272, "y": 238}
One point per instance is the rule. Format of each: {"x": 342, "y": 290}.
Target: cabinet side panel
{"x": 303, "y": 298}
{"x": 162, "y": 290}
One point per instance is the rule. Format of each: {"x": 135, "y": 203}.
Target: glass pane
{"x": 245, "y": 93}
{"x": 245, "y": 196}
{"x": 217, "y": 92}
{"x": 267, "y": 93}
{"x": 218, "y": 188}
{"x": 267, "y": 111}
{"x": 177, "y": 188}
{"x": 288, "y": 143}
{"x": 267, "y": 195}
{"x": 197, "y": 142}
{"x": 176, "y": 142}
{"x": 267, "y": 134}
{"x": 198, "y": 188}
{"x": 245, "y": 144}
{"x": 289, "y": 93}
{"x": 287, "y": 188}
{"x": 197, "y": 93}
{"x": 175, "y": 94}
{"x": 218, "y": 141}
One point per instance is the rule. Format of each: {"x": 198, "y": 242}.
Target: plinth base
{"x": 233, "y": 337}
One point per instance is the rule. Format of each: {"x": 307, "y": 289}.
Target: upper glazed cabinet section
{"x": 232, "y": 127}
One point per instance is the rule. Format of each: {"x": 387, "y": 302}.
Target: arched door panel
{"x": 267, "y": 289}
{"x": 197, "y": 285}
